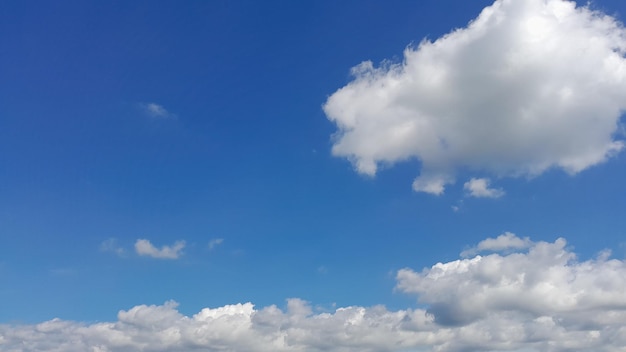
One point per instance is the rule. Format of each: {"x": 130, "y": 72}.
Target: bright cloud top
{"x": 479, "y": 188}
{"x": 145, "y": 248}
{"x": 539, "y": 298}
{"x": 526, "y": 86}
{"x": 527, "y": 292}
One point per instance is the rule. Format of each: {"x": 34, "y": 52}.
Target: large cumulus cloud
{"x": 527, "y": 86}
{"x": 519, "y": 296}
{"x": 541, "y": 298}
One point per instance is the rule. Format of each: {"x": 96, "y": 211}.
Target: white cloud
{"x": 542, "y": 299}
{"x": 527, "y": 86}
{"x": 504, "y": 242}
{"x": 145, "y": 248}
{"x": 215, "y": 242}
{"x": 537, "y": 299}
{"x": 238, "y": 327}
{"x": 156, "y": 111}
{"x": 479, "y": 188}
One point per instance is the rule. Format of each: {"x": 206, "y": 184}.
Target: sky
{"x": 430, "y": 175}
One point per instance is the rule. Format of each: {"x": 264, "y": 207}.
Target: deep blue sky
{"x": 244, "y": 155}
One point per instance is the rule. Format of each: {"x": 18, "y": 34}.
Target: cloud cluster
{"x": 527, "y": 86}
{"x": 238, "y": 327}
{"x": 527, "y": 296}
{"x": 542, "y": 299}
{"x": 146, "y": 248}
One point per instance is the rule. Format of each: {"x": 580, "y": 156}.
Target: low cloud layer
{"x": 146, "y": 248}
{"x": 525, "y": 87}
{"x": 527, "y": 296}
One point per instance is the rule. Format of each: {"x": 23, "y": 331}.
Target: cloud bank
{"x": 146, "y": 248}
{"x": 537, "y": 298}
{"x": 525, "y": 87}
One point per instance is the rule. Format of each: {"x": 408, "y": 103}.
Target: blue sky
{"x": 218, "y": 125}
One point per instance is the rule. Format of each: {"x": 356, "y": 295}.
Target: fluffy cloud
{"x": 238, "y": 327}
{"x": 479, "y": 188}
{"x": 540, "y": 298}
{"x": 145, "y": 248}
{"x": 156, "y": 111}
{"x": 526, "y": 86}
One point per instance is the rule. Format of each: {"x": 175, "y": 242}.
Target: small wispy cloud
{"x": 479, "y": 188}
{"x": 111, "y": 245}
{"x": 144, "y": 247}
{"x": 156, "y": 111}
{"x": 504, "y": 242}
{"x": 215, "y": 242}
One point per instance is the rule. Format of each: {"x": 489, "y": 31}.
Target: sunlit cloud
{"x": 479, "y": 188}
{"x": 523, "y": 296}
{"x": 525, "y": 87}
{"x": 144, "y": 247}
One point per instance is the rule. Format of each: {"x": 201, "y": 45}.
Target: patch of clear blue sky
{"x": 247, "y": 159}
